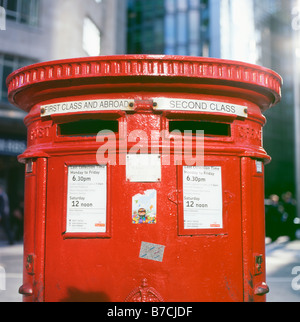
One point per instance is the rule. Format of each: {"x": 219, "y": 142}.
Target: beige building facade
{"x": 41, "y": 30}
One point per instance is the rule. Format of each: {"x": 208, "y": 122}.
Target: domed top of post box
{"x": 29, "y": 85}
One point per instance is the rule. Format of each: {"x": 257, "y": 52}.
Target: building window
{"x": 22, "y": 11}
{"x": 183, "y": 27}
{"x": 91, "y": 37}
{"x": 2, "y": 19}
{"x": 145, "y": 27}
{"x": 173, "y": 27}
{"x": 9, "y": 63}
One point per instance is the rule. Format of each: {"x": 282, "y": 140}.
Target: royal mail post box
{"x": 144, "y": 178}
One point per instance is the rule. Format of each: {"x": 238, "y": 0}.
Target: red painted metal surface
{"x": 161, "y": 260}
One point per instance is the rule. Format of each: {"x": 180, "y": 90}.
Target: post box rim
{"x": 189, "y": 67}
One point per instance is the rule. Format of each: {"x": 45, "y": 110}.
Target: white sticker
{"x": 202, "y": 197}
{"x": 189, "y": 105}
{"x": 143, "y": 167}
{"x": 151, "y": 251}
{"x": 259, "y": 166}
{"x": 86, "y": 204}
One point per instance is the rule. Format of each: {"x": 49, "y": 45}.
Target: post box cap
{"x": 45, "y": 80}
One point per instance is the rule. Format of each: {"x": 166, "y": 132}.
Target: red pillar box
{"x": 144, "y": 178}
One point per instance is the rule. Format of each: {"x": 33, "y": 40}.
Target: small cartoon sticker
{"x": 144, "y": 208}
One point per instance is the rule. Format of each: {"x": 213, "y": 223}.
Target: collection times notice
{"x": 87, "y": 198}
{"x": 202, "y": 198}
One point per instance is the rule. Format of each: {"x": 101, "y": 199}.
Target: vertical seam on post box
{"x": 41, "y": 206}
{"x": 246, "y": 228}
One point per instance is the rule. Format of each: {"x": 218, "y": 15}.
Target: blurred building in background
{"x": 42, "y": 30}
{"x": 275, "y": 49}
{"x": 254, "y": 31}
